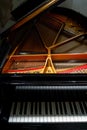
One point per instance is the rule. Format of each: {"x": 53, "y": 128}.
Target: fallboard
{"x": 43, "y": 87}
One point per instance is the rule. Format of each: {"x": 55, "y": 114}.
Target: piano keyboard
{"x": 48, "y": 112}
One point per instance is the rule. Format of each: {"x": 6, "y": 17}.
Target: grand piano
{"x": 43, "y": 68}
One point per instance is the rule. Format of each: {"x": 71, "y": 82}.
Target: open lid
{"x": 34, "y": 8}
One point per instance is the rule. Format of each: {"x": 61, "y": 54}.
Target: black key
{"x": 65, "y": 111}
{"x": 85, "y": 107}
{"x": 81, "y": 107}
{"x": 56, "y": 106}
{"x": 15, "y": 107}
{"x": 21, "y": 108}
{"x": 75, "y": 108}
{"x": 31, "y": 112}
{"x": 61, "y": 110}
{"x": 28, "y": 108}
{"x": 71, "y": 108}
{"x": 40, "y": 108}
{"x": 35, "y": 108}
{"x": 46, "y": 108}
{"x": 25, "y": 108}
{"x": 50, "y": 106}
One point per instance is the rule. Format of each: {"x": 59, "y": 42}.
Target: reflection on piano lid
{"x": 27, "y": 11}
{"x": 27, "y": 7}
{"x": 48, "y": 112}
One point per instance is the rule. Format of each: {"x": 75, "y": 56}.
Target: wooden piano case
{"x": 46, "y": 63}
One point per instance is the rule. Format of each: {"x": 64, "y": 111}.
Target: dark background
{"x": 6, "y": 6}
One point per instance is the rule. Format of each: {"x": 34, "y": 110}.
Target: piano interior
{"x": 44, "y": 75}
{"x": 52, "y": 43}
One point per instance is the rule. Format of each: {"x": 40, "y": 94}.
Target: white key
{"x": 68, "y": 108}
{"x": 17, "y": 112}
{"x": 11, "y": 113}
{"x": 25, "y": 116}
{"x": 15, "y": 117}
{"x": 86, "y": 105}
{"x": 74, "y": 117}
{"x": 48, "y": 108}
{"x": 78, "y": 108}
{"x": 28, "y": 108}
{"x": 64, "y": 114}
{"x": 22, "y": 116}
{"x": 28, "y": 112}
{"x": 73, "y": 109}
{"x": 56, "y": 119}
{"x": 30, "y": 116}
{"x": 43, "y": 112}
{"x": 58, "y": 108}
{"x": 63, "y": 108}
{"x": 83, "y": 107}
{"x": 68, "y": 116}
{"x": 51, "y": 117}
{"x": 53, "y": 109}
{"x": 37, "y": 108}
{"x": 33, "y": 116}
{"x": 38, "y": 112}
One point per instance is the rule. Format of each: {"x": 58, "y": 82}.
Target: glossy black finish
{"x": 59, "y": 126}
{"x": 35, "y": 86}
{"x": 41, "y": 87}
{"x": 27, "y": 7}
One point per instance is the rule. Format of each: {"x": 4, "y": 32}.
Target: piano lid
{"x": 34, "y": 8}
